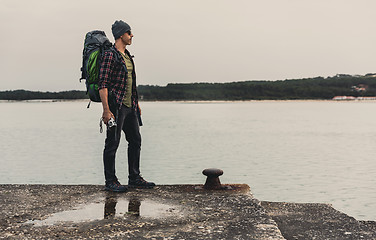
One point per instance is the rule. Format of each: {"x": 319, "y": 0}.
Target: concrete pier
{"x": 166, "y": 212}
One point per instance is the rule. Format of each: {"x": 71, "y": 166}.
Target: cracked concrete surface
{"x": 165, "y": 212}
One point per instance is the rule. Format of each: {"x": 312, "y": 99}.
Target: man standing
{"x": 118, "y": 92}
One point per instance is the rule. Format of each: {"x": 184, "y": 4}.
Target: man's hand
{"x": 107, "y": 114}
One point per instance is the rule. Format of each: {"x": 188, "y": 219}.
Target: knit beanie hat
{"x": 119, "y": 28}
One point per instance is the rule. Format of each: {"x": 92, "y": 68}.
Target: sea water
{"x": 295, "y": 151}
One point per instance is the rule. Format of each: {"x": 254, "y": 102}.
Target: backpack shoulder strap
{"x": 115, "y": 53}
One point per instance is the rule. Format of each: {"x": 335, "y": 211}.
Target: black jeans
{"x": 127, "y": 121}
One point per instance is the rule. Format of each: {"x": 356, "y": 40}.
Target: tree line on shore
{"x": 19, "y": 95}
{"x": 309, "y": 88}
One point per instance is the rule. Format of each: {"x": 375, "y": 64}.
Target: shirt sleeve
{"x": 105, "y": 69}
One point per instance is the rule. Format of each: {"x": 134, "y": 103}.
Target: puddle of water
{"x": 111, "y": 208}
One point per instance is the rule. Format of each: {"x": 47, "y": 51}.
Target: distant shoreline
{"x": 341, "y": 87}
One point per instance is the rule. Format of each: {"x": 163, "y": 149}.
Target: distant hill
{"x": 32, "y": 95}
{"x": 309, "y": 88}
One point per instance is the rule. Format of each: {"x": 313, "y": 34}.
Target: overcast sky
{"x": 189, "y": 41}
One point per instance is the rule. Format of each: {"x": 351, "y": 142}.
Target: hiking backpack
{"x": 96, "y": 43}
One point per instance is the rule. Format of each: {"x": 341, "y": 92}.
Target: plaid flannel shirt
{"x": 113, "y": 76}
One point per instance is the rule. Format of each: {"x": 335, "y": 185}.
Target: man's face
{"x": 127, "y": 38}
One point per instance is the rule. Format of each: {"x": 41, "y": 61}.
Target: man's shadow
{"x": 110, "y": 206}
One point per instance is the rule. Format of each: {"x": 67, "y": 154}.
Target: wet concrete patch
{"x": 111, "y": 207}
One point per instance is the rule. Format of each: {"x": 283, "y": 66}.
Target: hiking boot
{"x": 115, "y": 186}
{"x": 140, "y": 183}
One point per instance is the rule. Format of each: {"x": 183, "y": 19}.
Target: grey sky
{"x": 189, "y": 41}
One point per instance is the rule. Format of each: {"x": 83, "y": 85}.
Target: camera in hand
{"x": 111, "y": 123}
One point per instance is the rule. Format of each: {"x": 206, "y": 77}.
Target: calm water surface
{"x": 298, "y": 151}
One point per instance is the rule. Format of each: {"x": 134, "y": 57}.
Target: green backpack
{"x": 96, "y": 43}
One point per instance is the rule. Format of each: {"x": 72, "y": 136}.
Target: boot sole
{"x": 140, "y": 187}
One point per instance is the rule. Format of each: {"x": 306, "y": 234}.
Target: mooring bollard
{"x": 212, "y": 180}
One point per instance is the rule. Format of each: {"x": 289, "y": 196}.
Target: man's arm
{"x": 107, "y": 114}
{"x": 104, "y": 77}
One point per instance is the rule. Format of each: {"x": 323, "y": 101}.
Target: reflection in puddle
{"x": 133, "y": 207}
{"x": 113, "y": 207}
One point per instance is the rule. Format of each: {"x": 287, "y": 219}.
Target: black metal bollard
{"x": 212, "y": 181}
